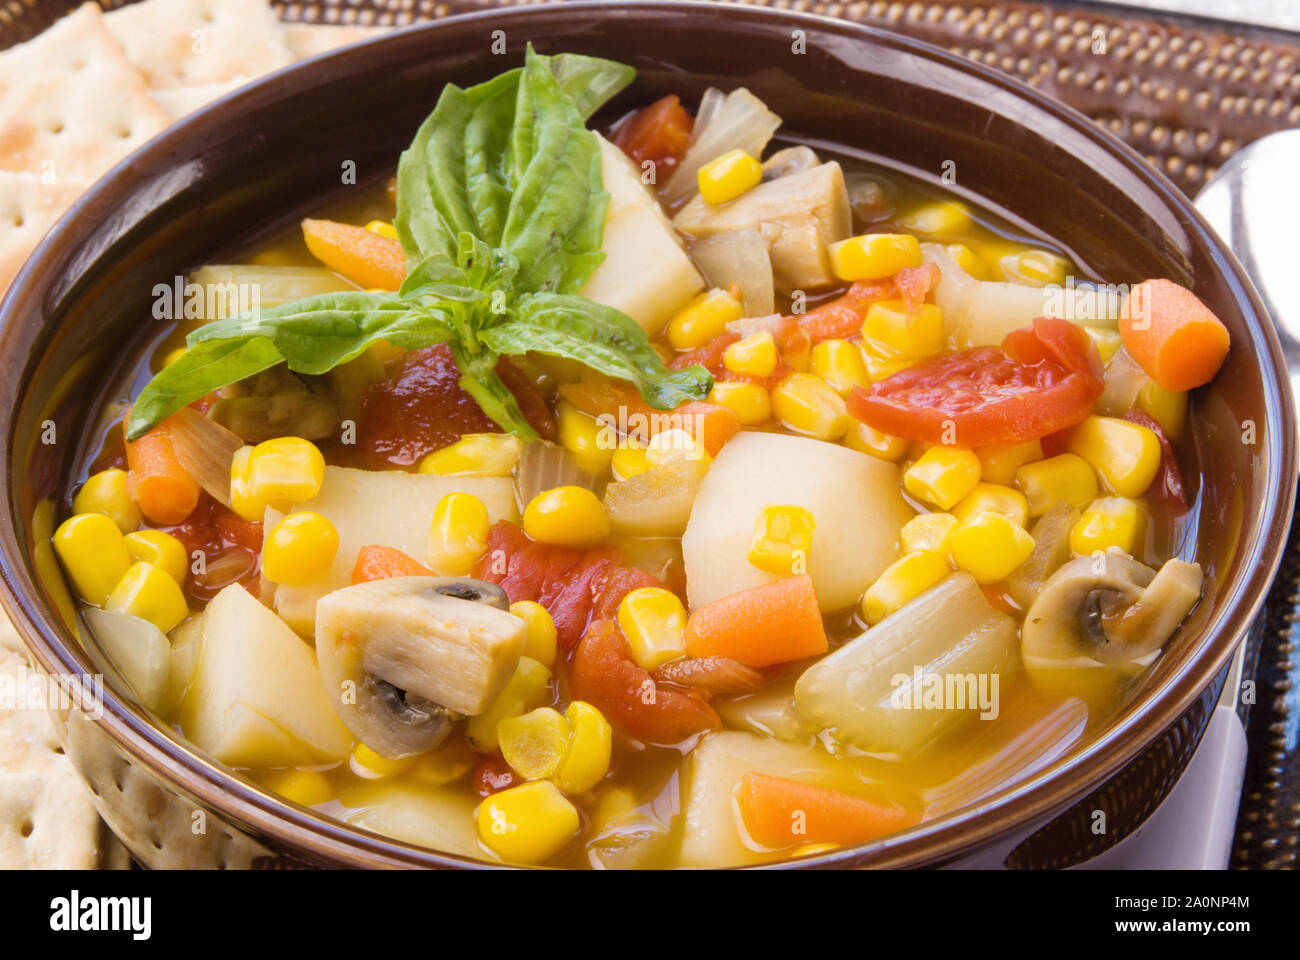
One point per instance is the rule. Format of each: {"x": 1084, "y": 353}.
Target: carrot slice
{"x": 711, "y": 424}
{"x": 368, "y": 259}
{"x": 375, "y": 562}
{"x": 771, "y": 623}
{"x": 1172, "y": 335}
{"x": 785, "y": 813}
{"x": 166, "y": 493}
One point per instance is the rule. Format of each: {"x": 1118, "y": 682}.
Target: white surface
{"x": 1272, "y": 13}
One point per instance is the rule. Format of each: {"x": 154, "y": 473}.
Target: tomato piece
{"x": 422, "y": 408}
{"x": 1169, "y": 484}
{"x": 492, "y": 775}
{"x": 915, "y": 283}
{"x": 604, "y": 675}
{"x": 838, "y": 319}
{"x": 659, "y": 133}
{"x": 231, "y": 547}
{"x": 1044, "y": 379}
{"x": 709, "y": 356}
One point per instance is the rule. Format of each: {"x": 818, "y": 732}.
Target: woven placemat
{"x": 1186, "y": 92}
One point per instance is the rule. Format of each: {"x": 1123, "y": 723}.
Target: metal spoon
{"x": 1254, "y": 204}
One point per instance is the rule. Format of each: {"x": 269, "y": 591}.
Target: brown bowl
{"x": 275, "y": 149}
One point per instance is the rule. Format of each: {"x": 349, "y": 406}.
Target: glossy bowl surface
{"x": 218, "y": 179}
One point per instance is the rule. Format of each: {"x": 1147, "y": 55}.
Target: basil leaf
{"x": 479, "y": 379}
{"x": 600, "y": 337}
{"x": 318, "y": 333}
{"x": 196, "y": 373}
{"x": 457, "y": 175}
{"x": 557, "y": 210}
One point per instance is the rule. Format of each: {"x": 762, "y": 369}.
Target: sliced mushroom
{"x": 1109, "y": 609}
{"x": 799, "y": 212}
{"x": 404, "y": 659}
{"x": 277, "y": 403}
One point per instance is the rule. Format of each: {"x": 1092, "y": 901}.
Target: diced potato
{"x": 711, "y": 834}
{"x": 440, "y": 819}
{"x": 949, "y": 630}
{"x": 137, "y": 649}
{"x": 646, "y": 272}
{"x": 256, "y": 698}
{"x": 854, "y": 499}
{"x": 389, "y": 508}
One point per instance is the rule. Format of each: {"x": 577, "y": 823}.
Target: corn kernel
{"x": 874, "y": 256}
{"x": 891, "y": 330}
{"x": 1034, "y": 267}
{"x": 902, "y": 581}
{"x": 999, "y": 462}
{"x": 750, "y": 401}
{"x": 591, "y": 740}
{"x": 782, "y": 540}
{"x": 105, "y": 492}
{"x": 1066, "y": 477}
{"x": 654, "y": 622}
{"x": 994, "y": 497}
{"x": 968, "y": 260}
{"x": 146, "y": 592}
{"x": 1107, "y": 342}
{"x": 1125, "y": 455}
{"x": 629, "y": 460}
{"x": 568, "y": 516}
{"x": 445, "y": 764}
{"x": 933, "y": 219}
{"x": 458, "y": 534}
{"x": 754, "y": 356}
{"x": 371, "y": 765}
{"x": 305, "y": 787}
{"x": 805, "y": 404}
{"x": 94, "y": 553}
{"x": 812, "y": 849}
{"x": 990, "y": 547}
{"x": 173, "y": 355}
{"x": 840, "y": 364}
{"x": 728, "y": 176}
{"x": 1166, "y": 407}
{"x": 383, "y": 228}
{"x": 942, "y": 476}
{"x": 161, "y": 549}
{"x": 475, "y": 455}
{"x": 529, "y": 687}
{"x": 299, "y": 549}
{"x": 539, "y": 631}
{"x": 865, "y": 439}
{"x": 285, "y": 471}
{"x": 1109, "y": 522}
{"x": 534, "y": 743}
{"x": 670, "y": 446}
{"x": 927, "y": 531}
{"x": 242, "y": 500}
{"x": 883, "y": 361}
{"x": 703, "y": 318}
{"x": 529, "y": 823}
{"x": 590, "y": 442}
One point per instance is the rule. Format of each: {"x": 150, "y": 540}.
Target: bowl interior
{"x": 294, "y": 141}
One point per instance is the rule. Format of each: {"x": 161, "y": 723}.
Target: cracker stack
{"x": 85, "y": 93}
{"x": 73, "y": 102}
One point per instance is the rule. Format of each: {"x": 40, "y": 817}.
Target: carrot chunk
{"x": 785, "y": 813}
{"x": 771, "y": 623}
{"x": 166, "y": 493}
{"x": 375, "y": 562}
{"x": 368, "y": 259}
{"x": 711, "y": 424}
{"x": 1172, "y": 335}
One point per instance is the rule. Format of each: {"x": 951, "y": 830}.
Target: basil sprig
{"x": 501, "y": 211}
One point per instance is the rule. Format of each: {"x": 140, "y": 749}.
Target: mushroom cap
{"x": 404, "y": 658}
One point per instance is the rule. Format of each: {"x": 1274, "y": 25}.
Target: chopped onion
{"x": 187, "y": 644}
{"x": 137, "y": 650}
{"x": 980, "y": 313}
{"x": 1124, "y": 378}
{"x": 205, "y": 449}
{"x": 734, "y": 121}
{"x": 739, "y": 257}
{"x": 544, "y": 466}
{"x": 229, "y": 289}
